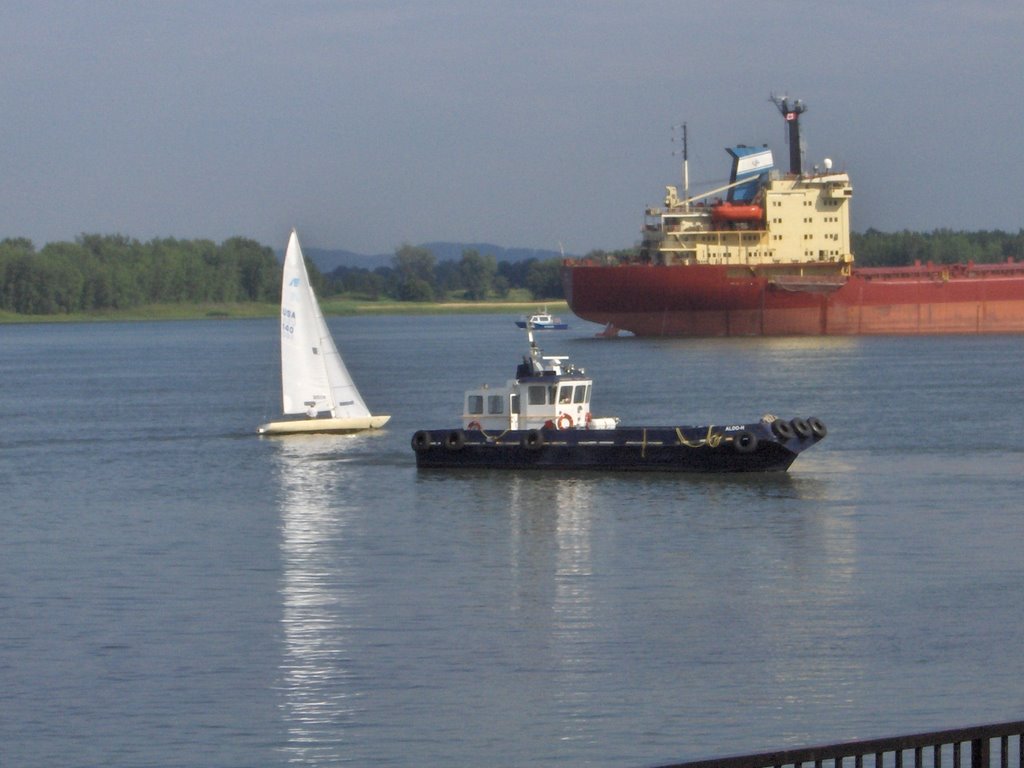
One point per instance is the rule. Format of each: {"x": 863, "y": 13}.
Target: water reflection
{"x": 460, "y": 610}
{"x": 317, "y": 595}
{"x": 566, "y": 603}
{"x": 573, "y": 620}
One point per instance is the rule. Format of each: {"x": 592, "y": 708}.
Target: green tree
{"x": 15, "y": 255}
{"x": 61, "y": 272}
{"x": 122, "y": 260}
{"x": 358, "y": 280}
{"x": 477, "y": 274}
{"x": 502, "y": 286}
{"x": 415, "y": 273}
{"x": 259, "y": 275}
{"x": 544, "y": 279}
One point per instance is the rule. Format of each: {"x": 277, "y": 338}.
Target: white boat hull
{"x": 336, "y": 426}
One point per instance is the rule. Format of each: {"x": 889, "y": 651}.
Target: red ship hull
{"x": 707, "y": 300}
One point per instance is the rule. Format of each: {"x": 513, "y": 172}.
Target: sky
{"x": 532, "y": 124}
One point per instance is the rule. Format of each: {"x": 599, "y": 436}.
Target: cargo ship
{"x": 769, "y": 254}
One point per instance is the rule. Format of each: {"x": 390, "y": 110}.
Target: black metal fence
{"x": 999, "y": 745}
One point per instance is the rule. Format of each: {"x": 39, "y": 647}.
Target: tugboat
{"x": 541, "y": 419}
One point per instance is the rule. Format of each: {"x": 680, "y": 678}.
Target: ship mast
{"x": 791, "y": 111}
{"x": 686, "y": 165}
{"x": 686, "y": 170}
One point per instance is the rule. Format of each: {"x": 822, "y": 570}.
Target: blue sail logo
{"x": 294, "y": 283}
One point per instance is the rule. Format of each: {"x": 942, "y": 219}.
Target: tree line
{"x": 415, "y": 274}
{"x": 99, "y": 272}
{"x": 942, "y": 246}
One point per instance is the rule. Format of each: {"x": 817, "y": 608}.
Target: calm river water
{"x": 175, "y": 591}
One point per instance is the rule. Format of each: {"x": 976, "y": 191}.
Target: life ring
{"x": 744, "y": 442}
{"x": 475, "y": 425}
{"x": 564, "y": 421}
{"x": 817, "y": 427}
{"x": 782, "y": 429}
{"x": 532, "y": 440}
{"x": 421, "y": 441}
{"x": 801, "y": 427}
{"x": 454, "y": 440}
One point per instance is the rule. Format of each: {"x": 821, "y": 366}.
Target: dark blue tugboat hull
{"x": 739, "y": 448}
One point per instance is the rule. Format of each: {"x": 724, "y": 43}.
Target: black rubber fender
{"x": 744, "y": 442}
{"x": 421, "y": 441}
{"x": 801, "y": 427}
{"x": 455, "y": 440}
{"x": 817, "y": 426}
{"x": 782, "y": 429}
{"x": 532, "y": 440}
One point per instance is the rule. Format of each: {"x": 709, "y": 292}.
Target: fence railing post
{"x": 979, "y": 753}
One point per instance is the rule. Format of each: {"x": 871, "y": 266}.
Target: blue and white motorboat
{"x": 543, "y": 321}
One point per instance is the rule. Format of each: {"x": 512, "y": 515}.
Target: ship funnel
{"x": 791, "y": 111}
{"x": 750, "y": 167}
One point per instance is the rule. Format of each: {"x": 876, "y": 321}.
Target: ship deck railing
{"x": 998, "y": 745}
{"x": 942, "y": 272}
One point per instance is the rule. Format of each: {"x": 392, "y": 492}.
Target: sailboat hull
{"x": 334, "y": 426}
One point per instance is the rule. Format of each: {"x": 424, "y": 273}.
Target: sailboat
{"x": 316, "y": 388}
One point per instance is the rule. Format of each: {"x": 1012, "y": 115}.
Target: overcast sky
{"x": 533, "y": 123}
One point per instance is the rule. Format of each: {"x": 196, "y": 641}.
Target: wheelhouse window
{"x": 495, "y": 404}
{"x": 565, "y": 395}
{"x": 538, "y": 394}
{"x": 581, "y": 393}
{"x": 475, "y": 404}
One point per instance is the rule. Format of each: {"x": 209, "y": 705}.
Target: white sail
{"x": 314, "y": 379}
{"x": 313, "y": 374}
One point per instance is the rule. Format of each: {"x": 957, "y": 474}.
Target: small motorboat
{"x": 541, "y": 419}
{"x": 543, "y": 321}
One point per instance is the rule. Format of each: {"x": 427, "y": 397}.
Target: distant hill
{"x": 328, "y": 260}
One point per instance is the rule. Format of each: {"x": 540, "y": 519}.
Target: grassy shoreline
{"x": 330, "y": 307}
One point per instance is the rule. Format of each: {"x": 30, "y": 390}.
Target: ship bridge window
{"x": 475, "y": 404}
{"x": 580, "y": 395}
{"x": 514, "y": 404}
{"x": 495, "y": 404}
{"x": 565, "y": 395}
{"x": 537, "y": 394}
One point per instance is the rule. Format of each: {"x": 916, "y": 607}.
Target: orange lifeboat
{"x": 733, "y": 212}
